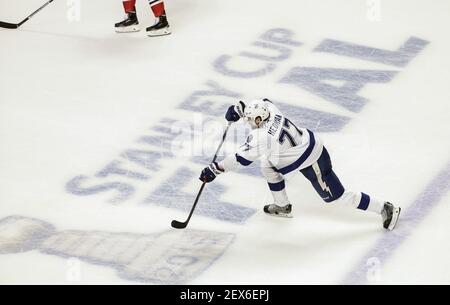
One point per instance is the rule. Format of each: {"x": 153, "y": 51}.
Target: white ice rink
{"x": 103, "y": 136}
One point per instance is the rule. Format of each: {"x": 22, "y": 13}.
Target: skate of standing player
{"x": 131, "y": 23}
{"x": 283, "y": 148}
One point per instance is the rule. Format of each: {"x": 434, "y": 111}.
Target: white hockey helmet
{"x": 256, "y": 112}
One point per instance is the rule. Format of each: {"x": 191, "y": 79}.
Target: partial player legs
{"x": 130, "y": 22}
{"x": 161, "y": 26}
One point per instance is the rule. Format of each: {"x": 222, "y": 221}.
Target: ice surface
{"x": 103, "y": 136}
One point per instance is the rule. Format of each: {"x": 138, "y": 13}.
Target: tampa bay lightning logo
{"x": 246, "y": 146}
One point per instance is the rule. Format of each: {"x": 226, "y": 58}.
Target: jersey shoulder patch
{"x": 255, "y": 139}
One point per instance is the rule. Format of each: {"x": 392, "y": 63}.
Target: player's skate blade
{"x": 278, "y": 211}
{"x": 160, "y": 32}
{"x": 390, "y": 215}
{"x": 128, "y": 29}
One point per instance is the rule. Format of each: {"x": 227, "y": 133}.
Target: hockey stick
{"x": 181, "y": 225}
{"x": 7, "y": 25}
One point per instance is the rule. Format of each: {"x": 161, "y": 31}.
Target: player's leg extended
{"x": 130, "y": 22}
{"x": 329, "y": 187}
{"x": 281, "y": 205}
{"x": 161, "y": 26}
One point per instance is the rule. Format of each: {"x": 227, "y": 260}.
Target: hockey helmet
{"x": 256, "y": 112}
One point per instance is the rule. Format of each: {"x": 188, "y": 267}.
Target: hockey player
{"x": 282, "y": 148}
{"x": 131, "y": 23}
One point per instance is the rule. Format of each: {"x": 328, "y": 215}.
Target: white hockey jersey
{"x": 278, "y": 143}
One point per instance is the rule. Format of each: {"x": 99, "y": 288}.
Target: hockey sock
{"x": 157, "y": 7}
{"x": 369, "y": 203}
{"x": 278, "y": 191}
{"x": 129, "y": 6}
{"x": 361, "y": 201}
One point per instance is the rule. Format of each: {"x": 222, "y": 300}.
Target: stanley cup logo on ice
{"x": 170, "y": 257}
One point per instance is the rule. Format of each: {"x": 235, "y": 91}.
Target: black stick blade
{"x": 7, "y": 25}
{"x": 178, "y": 225}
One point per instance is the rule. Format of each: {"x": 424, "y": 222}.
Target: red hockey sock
{"x": 129, "y": 6}
{"x": 157, "y": 7}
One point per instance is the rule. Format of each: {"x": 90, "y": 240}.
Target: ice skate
{"x": 280, "y": 211}
{"x": 128, "y": 25}
{"x": 390, "y": 215}
{"x": 160, "y": 28}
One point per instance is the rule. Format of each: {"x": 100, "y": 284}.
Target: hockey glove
{"x": 209, "y": 173}
{"x": 235, "y": 112}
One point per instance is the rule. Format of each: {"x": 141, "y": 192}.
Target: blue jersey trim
{"x": 243, "y": 161}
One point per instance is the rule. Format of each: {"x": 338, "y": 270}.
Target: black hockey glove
{"x": 209, "y": 173}
{"x": 235, "y": 112}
